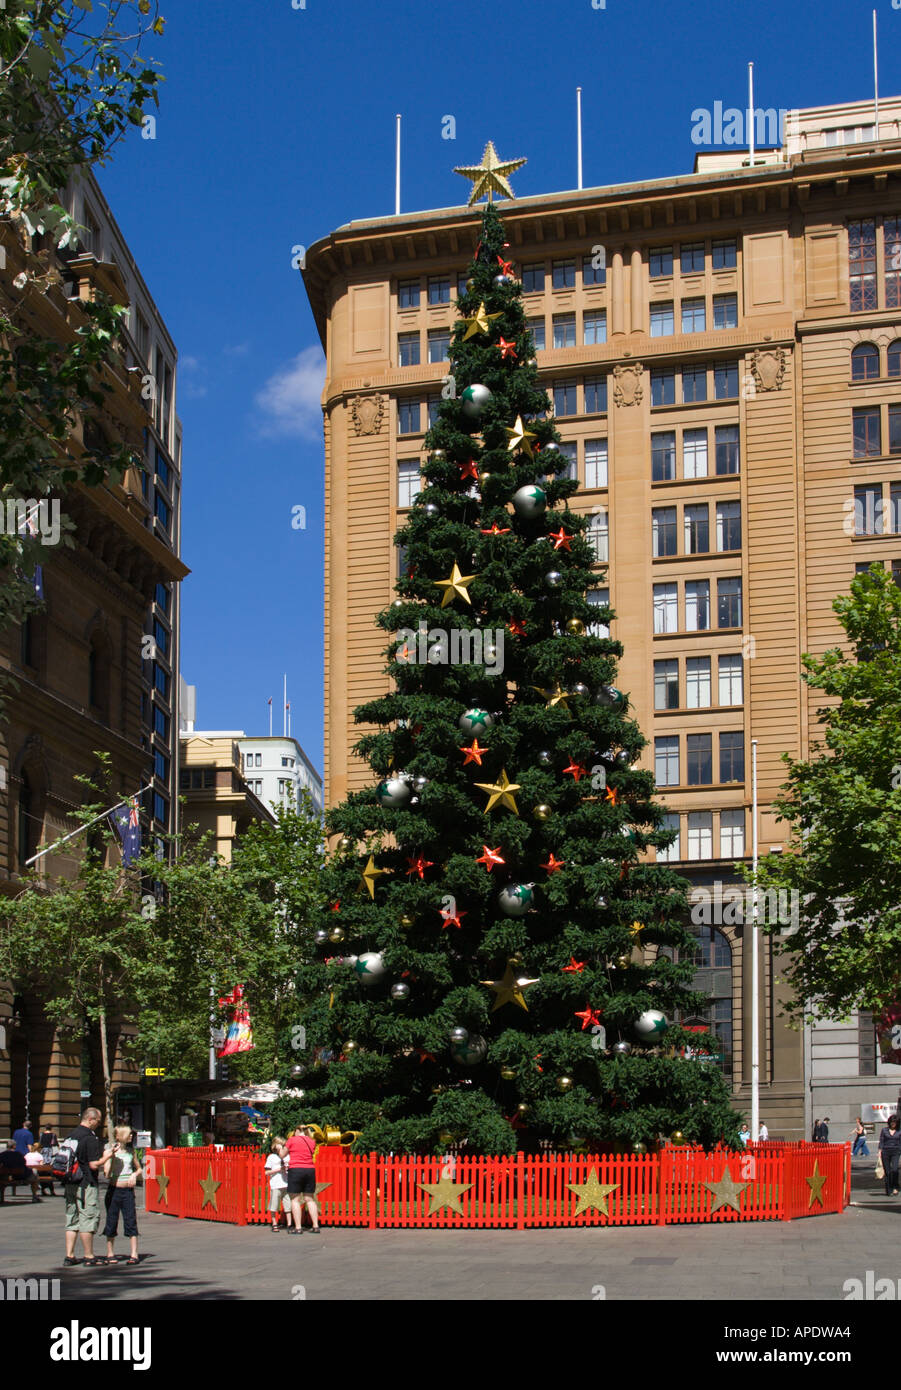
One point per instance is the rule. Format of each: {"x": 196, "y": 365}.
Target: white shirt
{"x": 275, "y": 1169}
{"x": 763, "y": 1132}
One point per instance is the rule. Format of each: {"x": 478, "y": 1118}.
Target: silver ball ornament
{"x": 430, "y": 510}
{"x": 400, "y": 991}
{"x": 650, "y": 1025}
{"x": 622, "y": 1049}
{"x": 370, "y": 967}
{"x": 515, "y": 899}
{"x": 470, "y": 1053}
{"x": 530, "y": 502}
{"x": 321, "y": 937}
{"x": 580, "y": 691}
{"x": 474, "y": 400}
{"x": 459, "y": 1035}
{"x": 553, "y": 579}
{"x": 609, "y": 696}
{"x": 394, "y": 791}
{"x": 545, "y": 758}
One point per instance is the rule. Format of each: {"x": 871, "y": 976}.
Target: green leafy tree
{"x": 459, "y": 905}
{"x": 844, "y": 809}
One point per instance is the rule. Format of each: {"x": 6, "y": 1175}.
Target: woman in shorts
{"x": 278, "y": 1185}
{"x": 300, "y": 1151}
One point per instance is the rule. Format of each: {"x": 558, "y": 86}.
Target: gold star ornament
{"x": 592, "y": 1193}
{"x": 490, "y": 176}
{"x": 817, "y": 1182}
{"x": 500, "y": 793}
{"x": 509, "y": 989}
{"x": 726, "y": 1192}
{"x": 445, "y": 1193}
{"x": 455, "y": 587}
{"x": 479, "y": 323}
{"x": 520, "y": 438}
{"x": 369, "y": 876}
{"x": 209, "y": 1186}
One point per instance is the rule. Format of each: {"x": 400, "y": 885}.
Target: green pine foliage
{"x": 403, "y": 1084}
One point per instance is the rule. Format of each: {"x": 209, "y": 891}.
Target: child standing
{"x": 278, "y": 1185}
{"x": 121, "y": 1169}
{"x": 35, "y": 1161}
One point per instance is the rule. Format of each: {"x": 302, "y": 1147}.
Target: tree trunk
{"x": 107, "y": 1079}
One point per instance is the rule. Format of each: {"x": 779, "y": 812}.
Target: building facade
{"x": 723, "y": 353}
{"x": 217, "y": 796}
{"x": 278, "y": 771}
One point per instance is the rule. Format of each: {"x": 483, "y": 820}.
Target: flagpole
{"x": 285, "y": 709}
{"x": 579, "y": 135}
{"x": 270, "y": 718}
{"x": 755, "y": 958}
{"x": 57, "y": 843}
{"x": 397, "y": 171}
{"x": 751, "y": 114}
{"x": 875, "y": 82}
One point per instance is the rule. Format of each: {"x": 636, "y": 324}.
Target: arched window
{"x": 894, "y": 358}
{"x": 865, "y": 362}
{"x": 712, "y": 959}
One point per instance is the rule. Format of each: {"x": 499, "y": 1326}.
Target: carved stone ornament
{"x": 627, "y": 386}
{"x": 367, "y": 414}
{"x": 768, "y": 368}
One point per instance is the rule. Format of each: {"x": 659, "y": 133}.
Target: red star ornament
{"x": 418, "y": 865}
{"x": 473, "y": 753}
{"x": 490, "y": 858}
{"x": 451, "y": 919}
{"x": 496, "y": 530}
{"x": 468, "y": 470}
{"x": 553, "y": 864}
{"x": 576, "y": 769}
{"x": 588, "y": 1016}
{"x": 515, "y": 1121}
{"x": 574, "y": 968}
{"x": 506, "y": 266}
{"x": 561, "y": 539}
{"x": 424, "y": 1056}
{"x": 507, "y": 349}
{"x": 610, "y": 795}
{"x": 517, "y": 626}
{"x": 336, "y": 907}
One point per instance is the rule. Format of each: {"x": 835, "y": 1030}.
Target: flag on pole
{"x": 239, "y": 1035}
{"x": 127, "y": 822}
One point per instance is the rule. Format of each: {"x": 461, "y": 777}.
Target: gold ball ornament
{"x": 575, "y": 627}
{"x": 639, "y": 1148}
{"x": 407, "y": 921}
{"x": 623, "y": 962}
{"x": 336, "y": 934}
{"x": 445, "y": 1137}
{"x": 564, "y": 1083}
{"x": 677, "y": 1137}
{"x": 541, "y": 812}
{"x": 470, "y": 285}
{"x": 522, "y": 1108}
{"x": 507, "y": 1073}
{"x": 344, "y": 844}
{"x": 349, "y": 1047}
{"x": 483, "y": 478}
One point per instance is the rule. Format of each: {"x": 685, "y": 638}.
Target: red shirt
{"x": 300, "y": 1151}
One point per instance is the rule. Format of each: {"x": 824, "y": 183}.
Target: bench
{"x": 25, "y": 1178}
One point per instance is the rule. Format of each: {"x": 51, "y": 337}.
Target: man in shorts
{"x": 300, "y": 1152}
{"x": 83, "y": 1195}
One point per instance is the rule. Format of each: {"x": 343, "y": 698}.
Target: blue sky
{"x": 277, "y": 125}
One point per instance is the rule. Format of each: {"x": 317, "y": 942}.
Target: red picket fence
{"x": 765, "y": 1182}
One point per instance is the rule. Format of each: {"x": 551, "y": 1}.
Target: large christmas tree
{"x": 506, "y": 971}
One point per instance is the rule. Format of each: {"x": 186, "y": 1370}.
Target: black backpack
{"x": 65, "y": 1166}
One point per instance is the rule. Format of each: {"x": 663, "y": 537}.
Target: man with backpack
{"x": 76, "y": 1164}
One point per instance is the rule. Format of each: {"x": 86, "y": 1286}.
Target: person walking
{"x": 821, "y": 1131}
{"x": 83, "y": 1192}
{"x": 24, "y": 1138}
{"x": 34, "y": 1161}
{"x": 47, "y": 1142}
{"x": 278, "y": 1184}
{"x": 890, "y": 1153}
{"x": 763, "y": 1134}
{"x": 860, "y": 1141}
{"x": 121, "y": 1168}
{"x": 300, "y": 1151}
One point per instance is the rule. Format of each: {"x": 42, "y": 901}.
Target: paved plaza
{"x": 806, "y": 1259}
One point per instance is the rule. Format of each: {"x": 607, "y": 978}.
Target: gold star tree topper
{"x": 490, "y": 176}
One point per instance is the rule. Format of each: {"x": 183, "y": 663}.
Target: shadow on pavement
{"x": 148, "y": 1280}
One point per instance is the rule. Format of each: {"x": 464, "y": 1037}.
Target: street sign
{"x": 154, "y": 1071}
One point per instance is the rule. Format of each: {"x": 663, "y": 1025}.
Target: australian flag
{"x": 126, "y": 819}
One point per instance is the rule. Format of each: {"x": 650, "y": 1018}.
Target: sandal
{"x": 112, "y": 1259}
{"x": 71, "y": 1260}
{"x": 96, "y": 1260}
{"x": 133, "y": 1260}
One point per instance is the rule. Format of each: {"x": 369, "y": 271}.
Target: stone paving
{"x": 183, "y": 1259}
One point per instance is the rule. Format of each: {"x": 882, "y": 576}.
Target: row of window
{"x": 697, "y": 836}
{"x": 866, "y": 361}
{"x": 197, "y": 778}
{"x": 698, "y": 763}
{"x": 691, "y": 258}
{"x": 695, "y": 529}
{"x": 868, "y": 433}
{"x": 694, "y": 383}
{"x": 696, "y": 605}
{"x": 877, "y": 513}
{"x": 698, "y": 687}
{"x": 693, "y": 315}
{"x": 874, "y": 263}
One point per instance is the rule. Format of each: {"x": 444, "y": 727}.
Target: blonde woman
{"x": 121, "y": 1169}
{"x": 300, "y": 1151}
{"x": 278, "y": 1184}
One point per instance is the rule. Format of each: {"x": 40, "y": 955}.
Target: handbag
{"x": 880, "y": 1170}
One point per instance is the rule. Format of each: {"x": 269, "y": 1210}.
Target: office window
{"x": 161, "y": 637}
{"x": 723, "y": 255}
{"x": 891, "y": 232}
{"x": 698, "y": 760}
{"x": 408, "y": 294}
{"x": 563, "y": 275}
{"x": 731, "y": 680}
{"x": 697, "y": 605}
{"x": 663, "y": 532}
{"x": 598, "y": 598}
{"x": 666, "y": 685}
{"x": 162, "y": 597}
{"x": 896, "y": 572}
{"x": 663, "y": 386}
{"x": 697, "y": 682}
{"x": 564, "y": 326}
{"x": 728, "y": 602}
{"x": 408, "y": 482}
{"x": 439, "y": 289}
{"x": 862, "y": 264}
{"x": 408, "y": 349}
{"x": 593, "y": 274}
{"x": 894, "y": 429}
{"x": 865, "y": 362}
{"x": 732, "y": 833}
{"x": 162, "y": 468}
{"x": 694, "y": 384}
{"x": 662, "y": 322}
{"x": 432, "y": 408}
{"x": 160, "y": 765}
{"x": 700, "y": 835}
{"x": 728, "y": 526}
{"x": 694, "y": 454}
{"x": 90, "y": 235}
{"x": 868, "y": 510}
{"x": 462, "y": 277}
{"x": 894, "y": 357}
{"x": 666, "y": 760}
{"x": 595, "y": 395}
{"x": 691, "y": 257}
{"x": 666, "y": 608}
{"x": 732, "y": 757}
{"x": 160, "y": 808}
{"x": 248, "y": 760}
{"x": 533, "y": 278}
{"x": 536, "y": 328}
{"x": 160, "y": 722}
{"x": 694, "y": 316}
{"x": 161, "y": 681}
{"x": 258, "y": 761}
{"x": 660, "y": 263}
{"x": 570, "y": 451}
{"x": 597, "y": 535}
{"x": 696, "y": 528}
{"x": 727, "y": 452}
{"x": 594, "y": 328}
{"x": 725, "y": 381}
{"x": 439, "y": 344}
{"x": 595, "y": 463}
{"x": 565, "y": 394}
{"x": 867, "y": 431}
{"x": 163, "y": 510}
{"x": 895, "y": 508}
{"x": 408, "y": 417}
{"x": 725, "y": 311}
{"x": 670, "y": 822}
{"x": 663, "y": 457}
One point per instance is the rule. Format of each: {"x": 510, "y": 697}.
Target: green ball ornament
{"x": 610, "y": 697}
{"x": 471, "y": 1052}
{"x": 650, "y": 1025}
{"x": 530, "y": 502}
{"x": 474, "y": 399}
{"x": 476, "y": 721}
{"x": 393, "y": 792}
{"x": 515, "y": 899}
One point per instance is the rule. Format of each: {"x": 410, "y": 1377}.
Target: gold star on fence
{"x": 162, "y": 1182}
{"x": 726, "y": 1192}
{"x": 210, "y": 1187}
{"x": 479, "y": 322}
{"x": 500, "y": 792}
{"x": 369, "y": 876}
{"x": 520, "y": 437}
{"x": 817, "y": 1182}
{"x": 445, "y": 1193}
{"x": 490, "y": 176}
{"x": 509, "y": 989}
{"x": 321, "y": 1186}
{"x": 454, "y": 587}
{"x": 592, "y": 1193}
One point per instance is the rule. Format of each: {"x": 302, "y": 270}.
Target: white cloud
{"x": 188, "y": 364}
{"x": 238, "y": 350}
{"x": 290, "y": 399}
